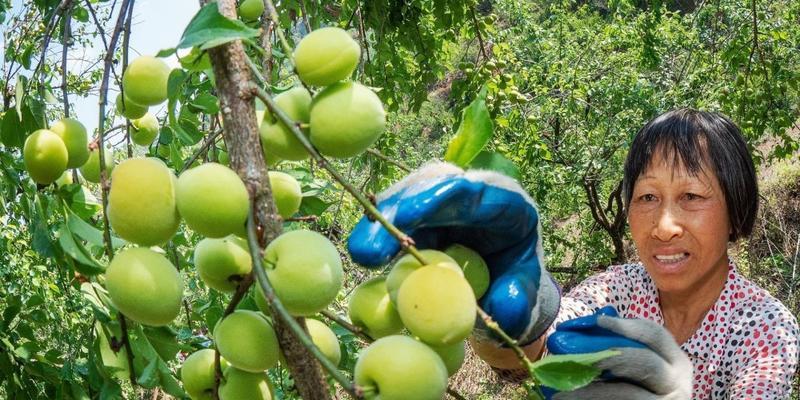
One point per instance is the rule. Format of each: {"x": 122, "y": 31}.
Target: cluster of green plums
{"x": 342, "y": 120}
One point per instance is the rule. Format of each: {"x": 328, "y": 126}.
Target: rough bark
{"x": 233, "y": 81}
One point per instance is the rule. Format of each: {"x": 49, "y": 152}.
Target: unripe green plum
{"x": 324, "y": 338}
{"x": 197, "y": 374}
{"x": 275, "y": 136}
{"x": 475, "y": 269}
{"x": 246, "y": 339}
{"x": 213, "y": 200}
{"x": 251, "y": 9}
{"x": 452, "y": 355}
{"x": 346, "y": 118}
{"x": 437, "y": 305}
{"x": 144, "y": 286}
{"x": 45, "y": 156}
{"x": 326, "y": 56}
{"x": 145, "y": 81}
{"x": 117, "y": 362}
{"x": 305, "y": 270}
{"x": 241, "y": 385}
{"x": 144, "y": 130}
{"x": 407, "y": 264}
{"x": 286, "y": 192}
{"x": 223, "y": 158}
{"x": 222, "y": 263}
{"x": 73, "y": 133}
{"x": 91, "y": 170}
{"x": 371, "y": 309}
{"x": 128, "y": 109}
{"x": 400, "y": 368}
{"x": 64, "y": 179}
{"x": 141, "y": 203}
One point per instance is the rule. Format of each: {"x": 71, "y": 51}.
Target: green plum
{"x": 45, "y": 156}
{"x": 275, "y": 136}
{"x": 326, "y": 56}
{"x": 346, "y": 118}
{"x": 475, "y": 269}
{"x": 73, "y": 133}
{"x": 247, "y": 341}
{"x": 145, "y": 81}
{"x": 128, "y": 109}
{"x": 91, "y": 170}
{"x": 407, "y": 264}
{"x": 144, "y": 130}
{"x": 144, "y": 286}
{"x": 243, "y": 385}
{"x": 213, "y": 200}
{"x": 452, "y": 355}
{"x": 305, "y": 270}
{"x": 400, "y": 368}
{"x": 251, "y": 10}
{"x": 437, "y": 305}
{"x": 324, "y": 338}
{"x": 197, "y": 374}
{"x": 371, "y": 309}
{"x": 141, "y": 203}
{"x": 286, "y": 193}
{"x": 222, "y": 263}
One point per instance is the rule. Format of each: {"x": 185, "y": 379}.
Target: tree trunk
{"x": 233, "y": 81}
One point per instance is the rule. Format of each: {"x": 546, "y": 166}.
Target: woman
{"x": 688, "y": 326}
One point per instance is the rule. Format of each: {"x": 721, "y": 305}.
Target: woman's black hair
{"x": 697, "y": 138}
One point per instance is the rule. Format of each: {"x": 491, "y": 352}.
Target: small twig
{"x": 65, "y": 49}
{"x": 123, "y": 324}
{"x": 275, "y": 304}
{"x": 347, "y": 325}
{"x": 384, "y": 157}
{"x": 273, "y": 14}
{"x": 210, "y": 139}
{"x": 304, "y": 218}
{"x": 478, "y": 33}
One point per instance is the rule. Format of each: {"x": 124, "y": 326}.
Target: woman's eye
{"x": 692, "y": 196}
{"x": 647, "y": 197}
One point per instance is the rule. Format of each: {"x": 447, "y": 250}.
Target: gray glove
{"x": 651, "y": 364}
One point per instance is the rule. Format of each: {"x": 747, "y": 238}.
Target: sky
{"x": 156, "y": 25}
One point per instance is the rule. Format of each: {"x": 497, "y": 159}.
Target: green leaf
{"x": 206, "y": 103}
{"x": 209, "y": 29}
{"x": 473, "y": 133}
{"x": 78, "y": 252}
{"x": 177, "y": 78}
{"x": 89, "y": 233}
{"x": 313, "y": 205}
{"x": 496, "y": 162}
{"x": 567, "y": 372}
{"x": 12, "y": 132}
{"x": 163, "y": 340}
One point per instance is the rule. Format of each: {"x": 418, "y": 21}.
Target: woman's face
{"x": 680, "y": 225}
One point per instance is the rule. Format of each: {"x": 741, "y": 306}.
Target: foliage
{"x": 566, "y": 86}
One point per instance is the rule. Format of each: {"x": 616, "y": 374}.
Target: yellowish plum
{"x": 407, "y": 264}
{"x": 144, "y": 130}
{"x": 144, "y": 286}
{"x": 129, "y": 109}
{"x": 324, "y": 338}
{"x": 91, "y": 170}
{"x": 400, "y": 368}
{"x": 246, "y": 339}
{"x": 371, "y": 309}
{"x": 437, "y": 305}
{"x": 286, "y": 192}
{"x": 346, "y": 118}
{"x": 305, "y": 270}
{"x": 222, "y": 263}
{"x": 145, "y": 81}
{"x": 213, "y": 200}
{"x": 73, "y": 133}
{"x": 326, "y": 56}
{"x": 141, "y": 203}
{"x": 45, "y": 156}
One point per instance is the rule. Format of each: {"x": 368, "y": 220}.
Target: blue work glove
{"x": 439, "y": 205}
{"x": 650, "y": 365}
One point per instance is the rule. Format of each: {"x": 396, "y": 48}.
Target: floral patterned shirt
{"x": 745, "y": 348}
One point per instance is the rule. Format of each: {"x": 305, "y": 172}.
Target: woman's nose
{"x": 668, "y": 224}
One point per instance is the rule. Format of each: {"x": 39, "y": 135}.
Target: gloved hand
{"x": 439, "y": 205}
{"x": 651, "y": 364}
